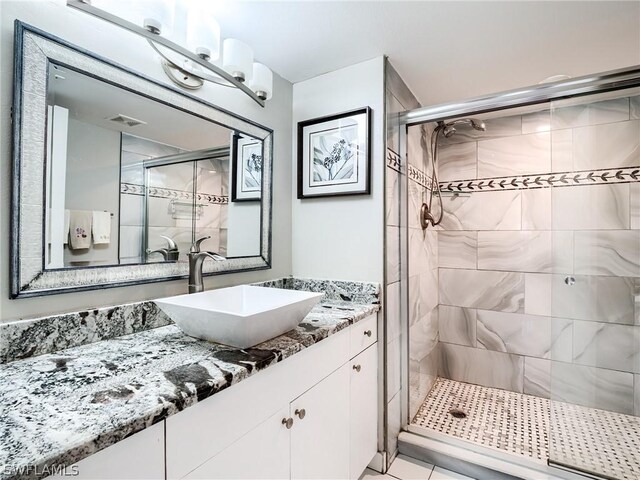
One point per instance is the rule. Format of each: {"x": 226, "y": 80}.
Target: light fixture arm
{"x": 189, "y": 71}
{"x": 218, "y": 75}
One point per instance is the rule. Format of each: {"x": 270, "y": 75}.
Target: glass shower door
{"x": 594, "y": 286}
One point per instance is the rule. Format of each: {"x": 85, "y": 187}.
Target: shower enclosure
{"x": 522, "y": 325}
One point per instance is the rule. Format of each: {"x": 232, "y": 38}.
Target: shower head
{"x": 449, "y": 128}
{"x": 427, "y": 216}
{"x": 478, "y": 124}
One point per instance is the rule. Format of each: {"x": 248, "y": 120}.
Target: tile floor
{"x": 406, "y": 468}
{"x": 595, "y": 440}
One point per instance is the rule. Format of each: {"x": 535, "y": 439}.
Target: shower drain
{"x": 457, "y": 413}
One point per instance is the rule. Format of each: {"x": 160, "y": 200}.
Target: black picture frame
{"x": 366, "y": 112}
{"x": 236, "y": 171}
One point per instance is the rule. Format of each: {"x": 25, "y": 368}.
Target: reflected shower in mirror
{"x": 132, "y": 180}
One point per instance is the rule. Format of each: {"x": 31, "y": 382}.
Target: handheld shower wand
{"x": 447, "y": 129}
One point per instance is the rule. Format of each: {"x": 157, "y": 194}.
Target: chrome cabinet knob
{"x": 357, "y": 368}
{"x": 367, "y": 333}
{"x": 287, "y": 422}
{"x": 300, "y": 413}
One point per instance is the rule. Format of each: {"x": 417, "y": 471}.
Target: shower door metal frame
{"x": 586, "y": 85}
{"x": 609, "y": 81}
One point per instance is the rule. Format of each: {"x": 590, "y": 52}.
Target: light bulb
{"x": 237, "y": 59}
{"x": 158, "y": 16}
{"x": 154, "y": 15}
{"x": 203, "y": 32}
{"x": 262, "y": 81}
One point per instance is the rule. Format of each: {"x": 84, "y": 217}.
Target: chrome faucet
{"x": 196, "y": 260}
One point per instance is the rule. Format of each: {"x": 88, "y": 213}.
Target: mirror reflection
{"x": 131, "y": 180}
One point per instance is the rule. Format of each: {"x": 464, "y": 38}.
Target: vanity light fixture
{"x": 190, "y": 66}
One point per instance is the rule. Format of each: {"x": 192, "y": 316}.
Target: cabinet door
{"x": 140, "y": 456}
{"x": 363, "y": 409}
{"x": 320, "y": 440}
{"x": 261, "y": 453}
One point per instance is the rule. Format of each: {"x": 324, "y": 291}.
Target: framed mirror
{"x": 115, "y": 176}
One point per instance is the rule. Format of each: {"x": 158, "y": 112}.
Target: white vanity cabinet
{"x": 261, "y": 453}
{"x": 363, "y": 410}
{"x": 312, "y": 416}
{"x": 320, "y": 431}
{"x": 138, "y": 457}
{"x": 309, "y": 438}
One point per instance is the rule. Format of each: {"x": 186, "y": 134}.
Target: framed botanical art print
{"x": 334, "y": 155}
{"x": 246, "y": 176}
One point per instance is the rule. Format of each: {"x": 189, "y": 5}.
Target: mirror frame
{"x": 34, "y": 50}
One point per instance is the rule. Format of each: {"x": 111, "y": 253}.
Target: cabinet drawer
{"x": 363, "y": 334}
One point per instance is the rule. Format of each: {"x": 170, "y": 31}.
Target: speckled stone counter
{"x": 61, "y": 407}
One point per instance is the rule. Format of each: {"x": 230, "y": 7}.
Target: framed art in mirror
{"x": 247, "y": 168}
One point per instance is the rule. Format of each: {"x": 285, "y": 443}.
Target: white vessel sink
{"x": 241, "y": 316}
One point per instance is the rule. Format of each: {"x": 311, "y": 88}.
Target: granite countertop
{"x": 61, "y": 407}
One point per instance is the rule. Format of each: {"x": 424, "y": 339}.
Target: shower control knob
{"x": 367, "y": 333}
{"x": 300, "y": 413}
{"x": 287, "y": 422}
{"x": 570, "y": 280}
{"x": 357, "y": 368}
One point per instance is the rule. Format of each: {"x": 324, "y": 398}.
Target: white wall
{"x": 93, "y": 183}
{"x": 341, "y": 237}
{"x": 243, "y": 223}
{"x": 134, "y": 53}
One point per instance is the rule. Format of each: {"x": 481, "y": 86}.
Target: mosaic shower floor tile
{"x": 596, "y": 441}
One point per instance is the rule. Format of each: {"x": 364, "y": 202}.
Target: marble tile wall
{"x": 636, "y": 383}
{"x": 411, "y": 266}
{"x": 165, "y": 217}
{"x": 398, "y": 98}
{"x": 422, "y": 279}
{"x": 539, "y": 288}
{"x": 514, "y": 155}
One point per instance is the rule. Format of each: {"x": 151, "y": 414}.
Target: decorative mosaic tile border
{"x": 37, "y": 336}
{"x": 134, "y": 189}
{"x": 545, "y": 180}
{"x": 420, "y": 177}
{"x": 394, "y": 161}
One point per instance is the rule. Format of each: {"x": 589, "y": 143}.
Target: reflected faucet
{"x": 170, "y": 253}
{"x": 196, "y": 260}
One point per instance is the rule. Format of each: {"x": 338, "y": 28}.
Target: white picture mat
{"x": 360, "y": 121}
{"x": 247, "y": 148}
{"x": 319, "y": 139}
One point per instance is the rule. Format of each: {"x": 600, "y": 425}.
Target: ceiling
{"x": 445, "y": 51}
{"x": 95, "y": 102}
